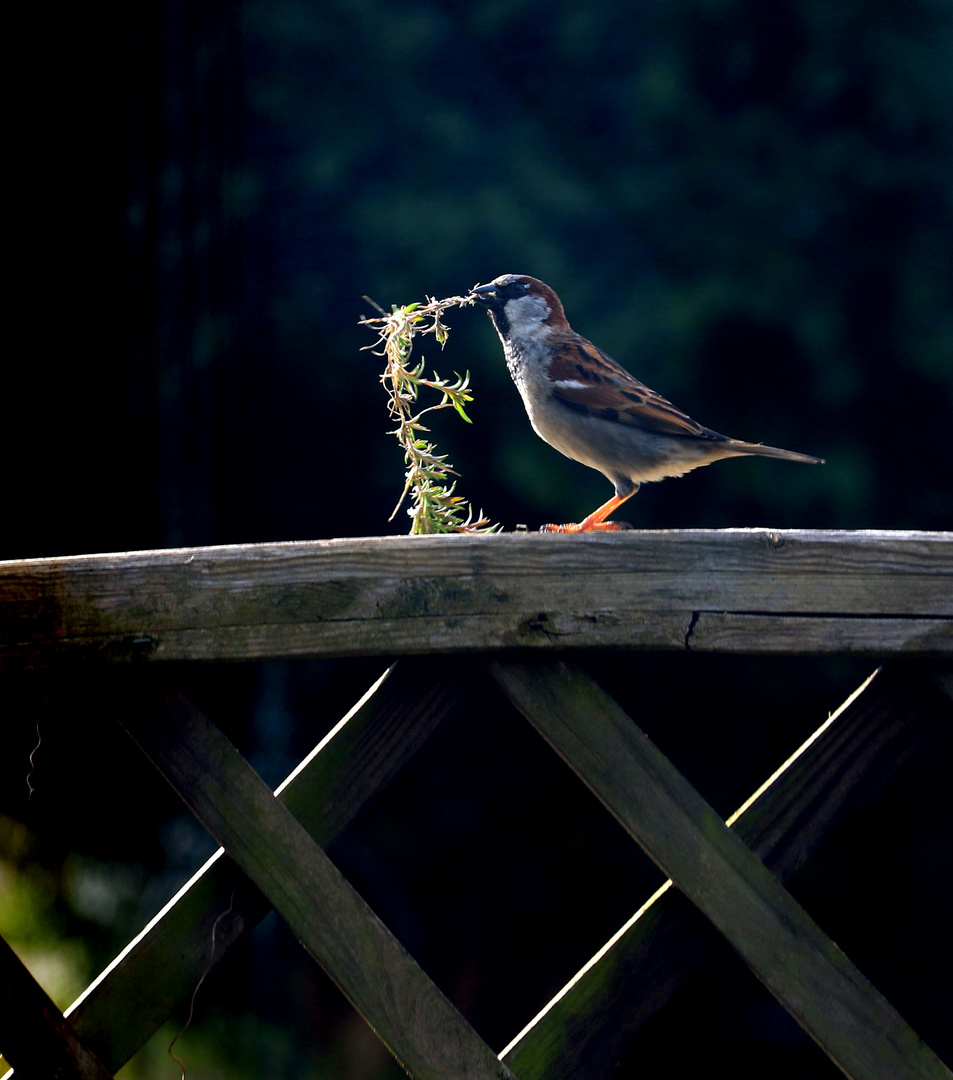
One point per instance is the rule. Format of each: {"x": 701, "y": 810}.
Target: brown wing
{"x": 587, "y": 380}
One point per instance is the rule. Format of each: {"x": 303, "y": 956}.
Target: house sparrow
{"x": 583, "y": 403}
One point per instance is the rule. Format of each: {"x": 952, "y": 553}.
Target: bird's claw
{"x": 595, "y": 526}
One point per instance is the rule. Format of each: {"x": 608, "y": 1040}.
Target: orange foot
{"x": 597, "y": 519}
{"x": 587, "y": 526}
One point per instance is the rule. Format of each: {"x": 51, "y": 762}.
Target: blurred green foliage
{"x": 747, "y": 204}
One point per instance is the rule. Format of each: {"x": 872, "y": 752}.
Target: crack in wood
{"x": 691, "y": 630}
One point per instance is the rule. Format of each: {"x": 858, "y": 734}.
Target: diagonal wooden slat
{"x": 733, "y": 590}
{"x": 858, "y": 1029}
{"x": 34, "y": 1036}
{"x": 581, "y": 1033}
{"x": 158, "y": 970}
{"x": 419, "y": 1025}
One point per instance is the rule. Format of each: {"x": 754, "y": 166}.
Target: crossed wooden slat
{"x": 580, "y": 1032}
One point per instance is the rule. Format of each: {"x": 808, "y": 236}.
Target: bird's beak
{"x": 483, "y": 294}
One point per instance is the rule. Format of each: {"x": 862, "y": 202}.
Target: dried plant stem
{"x": 435, "y": 507}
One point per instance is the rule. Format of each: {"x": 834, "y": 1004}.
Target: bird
{"x": 589, "y": 408}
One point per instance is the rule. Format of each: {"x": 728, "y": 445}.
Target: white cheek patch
{"x": 526, "y": 315}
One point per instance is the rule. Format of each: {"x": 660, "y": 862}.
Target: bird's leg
{"x": 597, "y": 519}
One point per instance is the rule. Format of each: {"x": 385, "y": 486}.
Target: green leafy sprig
{"x": 435, "y": 506}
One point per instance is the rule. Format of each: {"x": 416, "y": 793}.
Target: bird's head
{"x": 521, "y": 306}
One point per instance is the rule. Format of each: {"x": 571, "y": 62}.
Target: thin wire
{"x": 198, "y": 986}
{"x": 39, "y": 740}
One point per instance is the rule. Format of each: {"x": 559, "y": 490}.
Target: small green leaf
{"x": 435, "y": 508}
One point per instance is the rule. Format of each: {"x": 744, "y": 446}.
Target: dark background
{"x": 747, "y": 204}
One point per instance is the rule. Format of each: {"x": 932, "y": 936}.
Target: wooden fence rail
{"x": 749, "y": 591}
{"x": 735, "y": 590}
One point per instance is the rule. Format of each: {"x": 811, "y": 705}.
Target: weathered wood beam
{"x": 735, "y": 590}
{"x": 159, "y": 969}
{"x": 582, "y": 1032}
{"x": 848, "y": 1018}
{"x": 417, "y": 1023}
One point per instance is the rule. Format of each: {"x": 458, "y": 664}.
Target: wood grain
{"x": 748, "y": 590}
{"x": 857, "y": 1028}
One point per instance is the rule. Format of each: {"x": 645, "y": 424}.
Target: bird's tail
{"x": 775, "y": 452}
